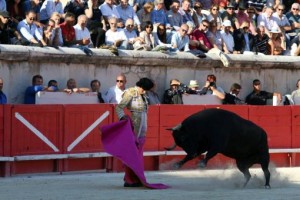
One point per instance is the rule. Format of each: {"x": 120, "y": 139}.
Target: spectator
{"x": 267, "y": 20}
{"x": 294, "y": 96}
{"x": 96, "y": 25}
{"x": 131, "y": 34}
{"x": 115, "y": 93}
{"x": 8, "y": 34}
{"x": 3, "y": 6}
{"x": 241, "y": 14}
{"x": 67, "y": 30}
{"x": 232, "y": 96}
{"x": 95, "y": 86}
{"x": 158, "y": 15}
{"x": 174, "y": 18}
{"x": 198, "y": 16}
{"x": 259, "y": 97}
{"x": 230, "y": 15}
{"x": 198, "y": 38}
{"x": 206, "y": 4}
{"x": 72, "y": 87}
{"x": 109, "y": 10}
{"x": 37, "y": 85}
{"x": 227, "y": 37}
{"x": 283, "y": 23}
{"x": 261, "y": 40}
{"x": 215, "y": 15}
{"x": 294, "y": 19}
{"x": 243, "y": 39}
{"x": 251, "y": 12}
{"x": 295, "y": 47}
{"x": 211, "y": 88}
{"x": 147, "y": 37}
{"x": 193, "y": 87}
{"x": 53, "y": 86}
{"x": 214, "y": 35}
{"x": 79, "y": 7}
{"x": 180, "y": 40}
{"x": 144, "y": 14}
{"x": 257, "y": 4}
{"x": 14, "y": 7}
{"x": 115, "y": 37}
{"x": 126, "y": 11}
{"x": 48, "y": 8}
{"x": 82, "y": 34}
{"x": 276, "y": 44}
{"x": 173, "y": 95}
{"x": 47, "y": 33}
{"x": 57, "y": 39}
{"x": 29, "y": 31}
{"x": 185, "y": 11}
{"x": 160, "y": 37}
{"x": 3, "y": 99}
{"x": 32, "y": 5}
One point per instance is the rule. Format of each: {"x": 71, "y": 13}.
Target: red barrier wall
{"x": 1, "y": 130}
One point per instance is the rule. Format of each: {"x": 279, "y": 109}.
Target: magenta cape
{"x": 119, "y": 141}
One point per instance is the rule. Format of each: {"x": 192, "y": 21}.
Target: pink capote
{"x": 118, "y": 140}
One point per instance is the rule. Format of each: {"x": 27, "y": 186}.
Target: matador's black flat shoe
{"x": 133, "y": 184}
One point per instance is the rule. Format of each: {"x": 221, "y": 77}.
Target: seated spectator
{"x": 215, "y": 15}
{"x": 158, "y": 15}
{"x": 109, "y": 10}
{"x": 180, "y": 39}
{"x": 57, "y": 39}
{"x": 294, "y": 19}
{"x": 283, "y": 23}
{"x": 243, "y": 39}
{"x": 198, "y": 16}
{"x": 198, "y": 38}
{"x": 160, "y": 37}
{"x": 144, "y": 14}
{"x": 230, "y": 15}
{"x": 8, "y": 34}
{"x": 173, "y": 95}
{"x": 72, "y": 87}
{"x": 126, "y": 11}
{"x": 29, "y": 31}
{"x": 193, "y": 87}
{"x": 276, "y": 43}
{"x": 227, "y": 37}
{"x": 115, "y": 93}
{"x": 251, "y": 13}
{"x": 115, "y": 37}
{"x": 32, "y": 5}
{"x": 211, "y": 88}
{"x": 53, "y": 86}
{"x": 295, "y": 47}
{"x": 232, "y": 96}
{"x": 147, "y": 37}
{"x": 131, "y": 34}
{"x": 79, "y": 7}
{"x": 214, "y": 36}
{"x": 96, "y": 25}
{"x": 82, "y": 34}
{"x": 261, "y": 40}
{"x": 174, "y": 18}
{"x": 185, "y": 11}
{"x": 259, "y": 97}
{"x": 95, "y": 86}
{"x": 3, "y": 99}
{"x": 37, "y": 86}
{"x": 47, "y": 33}
{"x": 241, "y": 14}
{"x": 267, "y": 20}
{"x": 68, "y": 31}
{"x": 295, "y": 96}
{"x": 48, "y": 8}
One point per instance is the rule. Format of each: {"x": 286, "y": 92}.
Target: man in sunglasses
{"x": 294, "y": 19}
{"x": 115, "y": 93}
{"x": 29, "y": 31}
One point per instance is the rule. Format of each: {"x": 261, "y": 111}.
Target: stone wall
{"x": 19, "y": 63}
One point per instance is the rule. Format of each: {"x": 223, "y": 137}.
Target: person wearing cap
{"x": 173, "y": 95}
{"x": 193, "y": 87}
{"x": 134, "y": 99}
{"x": 230, "y": 15}
{"x": 227, "y": 37}
{"x": 243, "y": 39}
{"x": 259, "y": 97}
{"x": 241, "y": 14}
{"x": 276, "y": 44}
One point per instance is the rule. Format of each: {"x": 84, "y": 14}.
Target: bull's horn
{"x": 177, "y": 127}
{"x": 171, "y": 147}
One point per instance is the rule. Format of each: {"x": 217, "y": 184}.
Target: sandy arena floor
{"x": 189, "y": 185}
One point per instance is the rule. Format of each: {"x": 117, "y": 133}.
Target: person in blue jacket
{"x": 3, "y": 99}
{"x": 37, "y": 85}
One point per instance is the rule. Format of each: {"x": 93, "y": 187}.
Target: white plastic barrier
{"x": 194, "y": 99}
{"x": 65, "y": 98}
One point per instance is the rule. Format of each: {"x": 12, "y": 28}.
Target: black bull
{"x": 219, "y": 131}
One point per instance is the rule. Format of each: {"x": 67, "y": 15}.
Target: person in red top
{"x": 199, "y": 38}
{"x": 67, "y": 30}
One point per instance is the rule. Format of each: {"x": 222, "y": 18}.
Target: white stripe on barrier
{"x": 36, "y": 132}
{"x": 88, "y": 130}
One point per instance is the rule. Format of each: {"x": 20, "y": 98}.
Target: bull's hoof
{"x": 202, "y": 164}
{"x": 267, "y": 187}
{"x": 177, "y": 166}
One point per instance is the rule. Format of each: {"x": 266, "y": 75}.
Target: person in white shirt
{"x": 82, "y": 33}
{"x": 114, "y": 36}
{"x": 29, "y": 31}
{"x": 115, "y": 93}
{"x": 227, "y": 37}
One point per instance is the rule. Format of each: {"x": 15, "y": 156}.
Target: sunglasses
{"x": 119, "y": 81}
{"x": 279, "y": 9}
{"x": 256, "y": 84}
{"x": 215, "y": 9}
{"x": 149, "y": 27}
{"x": 183, "y": 30}
{"x": 295, "y": 8}
{"x": 230, "y": 8}
{"x": 32, "y": 18}
{"x": 197, "y": 7}
{"x": 130, "y": 25}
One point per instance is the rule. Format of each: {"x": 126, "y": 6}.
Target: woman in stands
{"x": 276, "y": 44}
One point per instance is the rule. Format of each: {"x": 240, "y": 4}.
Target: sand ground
{"x": 188, "y": 184}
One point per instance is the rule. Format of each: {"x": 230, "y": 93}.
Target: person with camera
{"x": 211, "y": 88}
{"x": 8, "y": 34}
{"x": 173, "y": 95}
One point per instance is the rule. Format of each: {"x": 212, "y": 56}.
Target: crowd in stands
{"x": 267, "y": 27}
